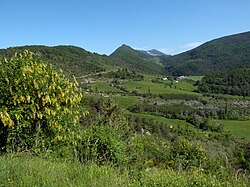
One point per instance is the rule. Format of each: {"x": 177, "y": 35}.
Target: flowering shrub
{"x": 38, "y": 105}
{"x": 185, "y": 154}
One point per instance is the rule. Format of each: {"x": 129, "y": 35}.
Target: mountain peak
{"x": 137, "y": 60}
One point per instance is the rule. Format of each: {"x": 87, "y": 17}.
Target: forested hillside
{"x": 223, "y": 53}
{"x": 138, "y": 60}
{"x": 233, "y": 82}
{"x": 71, "y": 59}
{"x": 77, "y": 61}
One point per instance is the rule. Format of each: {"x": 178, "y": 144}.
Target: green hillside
{"x": 233, "y": 82}
{"x": 78, "y": 61}
{"x": 223, "y": 53}
{"x": 138, "y": 60}
{"x": 71, "y": 59}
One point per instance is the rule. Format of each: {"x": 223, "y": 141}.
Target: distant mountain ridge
{"x": 77, "y": 61}
{"x": 228, "y": 52}
{"x": 138, "y": 60}
{"x": 224, "y": 53}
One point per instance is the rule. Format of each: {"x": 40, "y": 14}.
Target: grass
{"x": 238, "y": 128}
{"x": 185, "y": 85}
{"x": 156, "y": 88}
{"x": 170, "y": 122}
{"x": 23, "y": 170}
{"x": 194, "y": 78}
{"x": 104, "y": 87}
{"x": 27, "y": 171}
{"x": 125, "y": 101}
{"x": 158, "y": 62}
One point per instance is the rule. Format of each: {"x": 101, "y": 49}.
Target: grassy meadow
{"x": 238, "y": 128}
{"x": 25, "y": 170}
{"x": 181, "y": 87}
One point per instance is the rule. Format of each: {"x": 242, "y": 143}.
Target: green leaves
{"x": 37, "y": 101}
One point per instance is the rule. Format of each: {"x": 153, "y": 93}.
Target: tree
{"x": 38, "y": 105}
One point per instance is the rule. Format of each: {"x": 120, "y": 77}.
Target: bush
{"x": 38, "y": 105}
{"x": 185, "y": 155}
{"x": 147, "y": 150}
{"x": 102, "y": 144}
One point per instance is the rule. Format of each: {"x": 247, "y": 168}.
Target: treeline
{"x": 124, "y": 73}
{"x": 233, "y": 82}
{"x": 183, "y": 111}
{"x": 72, "y": 60}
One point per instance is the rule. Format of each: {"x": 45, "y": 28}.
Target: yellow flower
{"x": 6, "y": 120}
{"x": 35, "y": 84}
{"x": 39, "y": 115}
{"x": 28, "y": 98}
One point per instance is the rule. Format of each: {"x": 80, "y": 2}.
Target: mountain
{"x": 71, "y": 59}
{"x": 220, "y": 54}
{"x": 137, "y": 60}
{"x": 77, "y": 61}
{"x": 224, "y": 53}
{"x": 153, "y": 52}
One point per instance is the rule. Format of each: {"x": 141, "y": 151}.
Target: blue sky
{"x": 101, "y": 26}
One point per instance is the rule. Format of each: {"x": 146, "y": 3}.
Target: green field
{"x": 158, "y": 88}
{"x": 104, "y": 87}
{"x": 185, "y": 85}
{"x": 125, "y": 101}
{"x": 238, "y": 128}
{"x": 170, "y": 122}
{"x": 195, "y": 78}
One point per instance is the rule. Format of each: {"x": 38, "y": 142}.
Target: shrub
{"x": 147, "y": 150}
{"x": 185, "y": 155}
{"x": 102, "y": 144}
{"x": 38, "y": 105}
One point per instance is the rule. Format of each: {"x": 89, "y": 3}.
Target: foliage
{"x": 124, "y": 73}
{"x": 72, "y": 60}
{"x": 137, "y": 61}
{"x": 185, "y": 155}
{"x": 147, "y": 150}
{"x": 176, "y": 108}
{"x": 38, "y": 105}
{"x": 102, "y": 134}
{"x": 233, "y": 82}
{"x": 77, "y": 61}
{"x": 228, "y": 52}
{"x": 101, "y": 144}
{"x": 242, "y": 154}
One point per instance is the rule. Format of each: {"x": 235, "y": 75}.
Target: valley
{"x": 133, "y": 118}
{"x": 130, "y": 92}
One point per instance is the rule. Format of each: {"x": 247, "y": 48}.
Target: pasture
{"x": 238, "y": 128}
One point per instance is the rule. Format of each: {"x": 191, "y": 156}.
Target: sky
{"x": 101, "y": 26}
